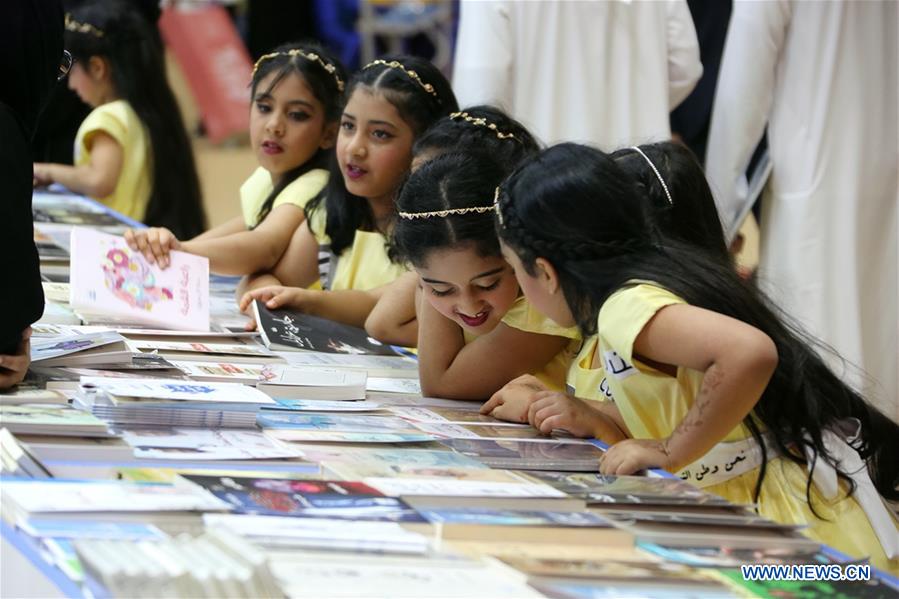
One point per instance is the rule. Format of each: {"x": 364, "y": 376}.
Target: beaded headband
{"x": 395, "y": 64}
{"x": 311, "y": 56}
{"x": 482, "y": 122}
{"x": 77, "y": 27}
{"x": 445, "y": 213}
{"x": 656, "y": 171}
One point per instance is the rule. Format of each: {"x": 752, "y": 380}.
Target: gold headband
{"x": 308, "y": 56}
{"x": 395, "y": 64}
{"x": 73, "y": 25}
{"x": 445, "y": 213}
{"x": 482, "y": 122}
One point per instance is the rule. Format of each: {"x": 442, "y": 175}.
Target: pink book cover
{"x": 107, "y": 278}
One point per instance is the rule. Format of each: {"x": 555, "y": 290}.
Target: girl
{"x": 679, "y": 204}
{"x": 132, "y": 152}
{"x": 296, "y": 95}
{"x": 475, "y": 332}
{"x": 707, "y": 380}
{"x": 486, "y": 129}
{"x": 390, "y": 103}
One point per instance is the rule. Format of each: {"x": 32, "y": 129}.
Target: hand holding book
{"x": 154, "y": 243}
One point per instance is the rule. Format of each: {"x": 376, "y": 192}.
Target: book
{"x": 75, "y": 350}
{"x": 433, "y": 493}
{"x": 375, "y": 366}
{"x": 350, "y": 423}
{"x": 449, "y": 415}
{"x": 292, "y": 331}
{"x": 608, "y": 489}
{"x": 119, "y": 390}
{"x": 201, "y": 350}
{"x": 51, "y": 420}
{"x": 529, "y": 455}
{"x": 48, "y": 249}
{"x": 227, "y": 372}
{"x": 110, "y": 280}
{"x": 58, "y": 499}
{"x": 205, "y": 444}
{"x": 295, "y": 382}
{"x": 319, "y": 405}
{"x": 55, "y": 292}
{"x": 18, "y": 396}
{"x": 306, "y": 498}
{"x": 16, "y": 459}
{"x": 279, "y": 532}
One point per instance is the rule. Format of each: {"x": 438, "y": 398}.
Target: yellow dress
{"x": 258, "y": 186}
{"x": 524, "y": 317}
{"x": 364, "y": 265}
{"x": 584, "y": 380}
{"x": 653, "y": 403}
{"x": 118, "y": 120}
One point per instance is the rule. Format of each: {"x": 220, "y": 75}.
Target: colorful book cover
{"x": 306, "y": 498}
{"x": 47, "y": 348}
{"x": 500, "y": 517}
{"x": 108, "y": 278}
{"x": 334, "y": 422}
{"x": 529, "y": 455}
{"x": 282, "y": 329}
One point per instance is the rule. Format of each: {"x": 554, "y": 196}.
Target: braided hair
{"x": 576, "y": 208}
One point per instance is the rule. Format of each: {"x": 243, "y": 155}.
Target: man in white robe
{"x": 601, "y": 72}
{"x": 822, "y": 76}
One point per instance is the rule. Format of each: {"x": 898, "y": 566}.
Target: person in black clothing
{"x": 31, "y": 48}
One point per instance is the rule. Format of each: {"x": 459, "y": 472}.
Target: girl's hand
{"x": 154, "y": 243}
{"x": 632, "y": 455}
{"x": 551, "y": 410}
{"x": 42, "y": 176}
{"x": 511, "y": 403}
{"x": 13, "y": 368}
{"x": 275, "y": 297}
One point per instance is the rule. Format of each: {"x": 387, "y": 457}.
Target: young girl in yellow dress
{"x": 475, "y": 331}
{"x": 680, "y": 205}
{"x": 296, "y": 94}
{"x": 707, "y": 380}
{"x": 484, "y": 129}
{"x": 342, "y": 244}
{"x": 131, "y": 152}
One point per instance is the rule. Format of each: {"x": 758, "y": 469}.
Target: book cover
{"x": 504, "y": 517}
{"x": 306, "y": 498}
{"x": 313, "y": 383}
{"x": 285, "y": 330}
{"x": 175, "y": 389}
{"x": 350, "y": 423}
{"x": 109, "y": 279}
{"x": 529, "y": 455}
{"x": 609, "y": 489}
{"x": 50, "y": 348}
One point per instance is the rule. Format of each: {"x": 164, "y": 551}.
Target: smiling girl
{"x": 343, "y": 242}
{"x": 296, "y": 92}
{"x": 475, "y": 331}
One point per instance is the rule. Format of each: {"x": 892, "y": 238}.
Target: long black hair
{"x": 448, "y": 182}
{"x": 480, "y": 129}
{"x": 575, "y": 207}
{"x": 346, "y": 212}
{"x": 327, "y": 87}
{"x": 112, "y": 31}
{"x": 689, "y": 214}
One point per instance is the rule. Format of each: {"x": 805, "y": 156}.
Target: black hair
{"x": 690, "y": 215}
{"x": 327, "y": 87}
{"x": 138, "y": 73}
{"x": 346, "y": 212}
{"x": 575, "y": 207}
{"x": 447, "y": 182}
{"x": 484, "y": 129}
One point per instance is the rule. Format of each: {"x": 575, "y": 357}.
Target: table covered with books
{"x": 158, "y": 449}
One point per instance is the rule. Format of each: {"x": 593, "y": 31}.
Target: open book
{"x": 109, "y": 280}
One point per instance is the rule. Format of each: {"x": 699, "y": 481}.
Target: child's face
{"x": 374, "y": 146}
{"x": 85, "y": 85}
{"x": 287, "y": 124}
{"x": 473, "y": 291}
{"x": 542, "y": 290}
